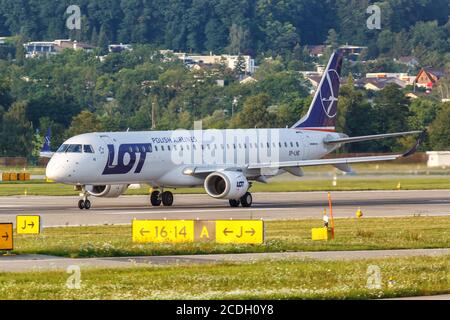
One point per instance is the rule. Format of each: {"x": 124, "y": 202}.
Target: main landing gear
{"x": 246, "y": 201}
{"x": 84, "y": 203}
{"x": 165, "y": 197}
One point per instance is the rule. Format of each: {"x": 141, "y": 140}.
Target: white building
{"x": 229, "y": 60}
{"x": 439, "y": 159}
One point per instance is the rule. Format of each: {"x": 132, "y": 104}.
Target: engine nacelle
{"x": 107, "y": 191}
{"x": 226, "y": 185}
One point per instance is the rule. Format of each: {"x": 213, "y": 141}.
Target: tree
{"x": 254, "y": 113}
{"x": 84, "y": 122}
{"x": 439, "y": 131}
{"x": 240, "y": 66}
{"x": 17, "y": 132}
{"x": 392, "y": 113}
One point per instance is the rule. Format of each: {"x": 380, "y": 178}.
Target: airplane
{"x": 225, "y": 162}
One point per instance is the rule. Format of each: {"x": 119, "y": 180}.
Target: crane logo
{"x": 328, "y": 93}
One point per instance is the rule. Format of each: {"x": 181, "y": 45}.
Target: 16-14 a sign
{"x": 159, "y": 231}
{"x": 178, "y": 231}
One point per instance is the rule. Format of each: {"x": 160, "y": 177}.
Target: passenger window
{"x": 292, "y": 144}
{"x": 168, "y": 148}
{"x": 88, "y": 148}
{"x": 297, "y": 144}
{"x": 156, "y": 148}
{"x": 162, "y": 148}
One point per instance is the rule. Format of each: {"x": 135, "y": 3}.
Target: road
{"x": 63, "y": 211}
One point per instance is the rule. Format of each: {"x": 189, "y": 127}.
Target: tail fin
{"x": 322, "y": 112}
{"x": 47, "y": 141}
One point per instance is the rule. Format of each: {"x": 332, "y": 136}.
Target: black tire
{"x": 234, "y": 203}
{"x": 155, "y": 199}
{"x": 247, "y": 200}
{"x": 167, "y": 198}
{"x": 87, "y": 204}
{"x": 81, "y": 204}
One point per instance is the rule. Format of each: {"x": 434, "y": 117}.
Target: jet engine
{"x": 226, "y": 185}
{"x": 107, "y": 191}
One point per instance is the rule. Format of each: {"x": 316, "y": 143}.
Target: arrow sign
{"x": 226, "y": 231}
{"x": 143, "y": 231}
{"x": 252, "y": 232}
{"x": 6, "y": 236}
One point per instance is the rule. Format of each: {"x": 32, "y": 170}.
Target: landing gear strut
{"x": 246, "y": 201}
{"x": 84, "y": 203}
{"x": 165, "y": 197}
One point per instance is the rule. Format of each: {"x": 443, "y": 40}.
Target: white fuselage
{"x": 159, "y": 158}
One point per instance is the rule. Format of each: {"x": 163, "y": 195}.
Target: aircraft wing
{"x": 339, "y": 162}
{"x": 365, "y": 138}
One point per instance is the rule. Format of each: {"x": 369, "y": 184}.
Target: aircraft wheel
{"x": 81, "y": 204}
{"x": 87, "y": 204}
{"x": 155, "y": 199}
{"x": 234, "y": 203}
{"x": 247, "y": 200}
{"x": 167, "y": 198}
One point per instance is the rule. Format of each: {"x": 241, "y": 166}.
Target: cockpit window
{"x": 87, "y": 148}
{"x": 63, "y": 148}
{"x": 76, "y": 148}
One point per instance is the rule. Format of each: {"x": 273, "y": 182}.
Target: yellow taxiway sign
{"x": 28, "y": 224}
{"x": 6, "y": 236}
{"x": 240, "y": 231}
{"x": 158, "y": 231}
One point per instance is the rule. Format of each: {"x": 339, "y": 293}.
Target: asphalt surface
{"x": 22, "y": 263}
{"x": 63, "y": 211}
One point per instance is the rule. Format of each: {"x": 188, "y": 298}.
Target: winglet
{"x": 416, "y": 145}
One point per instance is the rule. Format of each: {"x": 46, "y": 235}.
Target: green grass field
{"x": 40, "y": 188}
{"x": 292, "y": 279}
{"x": 281, "y": 236}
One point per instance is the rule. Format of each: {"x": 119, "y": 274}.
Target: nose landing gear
{"x": 84, "y": 203}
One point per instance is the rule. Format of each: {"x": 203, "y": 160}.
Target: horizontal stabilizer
{"x": 366, "y": 138}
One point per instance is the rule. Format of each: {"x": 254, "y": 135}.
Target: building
{"x": 439, "y": 159}
{"x": 316, "y": 50}
{"x": 116, "y": 48}
{"x": 377, "y": 84}
{"x": 404, "y": 77}
{"x": 427, "y": 77}
{"x": 46, "y": 48}
{"x": 410, "y": 61}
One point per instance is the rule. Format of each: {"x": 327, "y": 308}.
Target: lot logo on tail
{"x": 126, "y": 158}
{"x": 328, "y": 92}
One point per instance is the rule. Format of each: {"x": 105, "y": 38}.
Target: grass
{"x": 40, "y": 188}
{"x": 281, "y": 236}
{"x": 289, "y": 279}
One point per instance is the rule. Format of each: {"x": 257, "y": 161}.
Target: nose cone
{"x": 55, "y": 171}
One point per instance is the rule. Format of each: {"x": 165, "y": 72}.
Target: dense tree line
{"x": 253, "y": 27}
